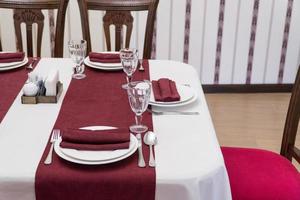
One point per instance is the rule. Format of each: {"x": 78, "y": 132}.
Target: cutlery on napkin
{"x": 165, "y": 90}
{"x": 95, "y": 140}
{"x": 104, "y": 57}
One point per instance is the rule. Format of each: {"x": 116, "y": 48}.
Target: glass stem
{"x": 138, "y": 119}
{"x": 77, "y": 68}
{"x": 129, "y": 78}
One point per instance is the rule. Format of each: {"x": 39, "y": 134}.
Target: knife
{"x": 97, "y": 128}
{"x": 141, "y": 161}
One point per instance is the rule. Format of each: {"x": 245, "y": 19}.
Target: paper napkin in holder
{"x": 51, "y": 83}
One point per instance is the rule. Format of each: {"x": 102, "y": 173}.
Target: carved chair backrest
{"x": 30, "y": 12}
{"x": 118, "y": 13}
{"x": 288, "y": 148}
{"x": 118, "y": 19}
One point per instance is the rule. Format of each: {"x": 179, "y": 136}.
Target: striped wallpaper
{"x": 227, "y": 41}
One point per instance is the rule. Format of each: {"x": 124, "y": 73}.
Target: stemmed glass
{"x": 138, "y": 95}
{"x": 129, "y": 60}
{"x": 77, "y": 50}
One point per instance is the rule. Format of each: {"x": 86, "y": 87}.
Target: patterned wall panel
{"x": 227, "y": 41}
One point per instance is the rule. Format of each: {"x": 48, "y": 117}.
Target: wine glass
{"x": 77, "y": 50}
{"x": 129, "y": 60}
{"x": 138, "y": 96}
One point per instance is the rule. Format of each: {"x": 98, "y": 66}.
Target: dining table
{"x": 189, "y": 162}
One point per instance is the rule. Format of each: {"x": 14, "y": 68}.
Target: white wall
{"x": 187, "y": 31}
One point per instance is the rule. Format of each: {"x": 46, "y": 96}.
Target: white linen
{"x": 190, "y": 165}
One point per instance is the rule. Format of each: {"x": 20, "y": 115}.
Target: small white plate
{"x": 96, "y": 157}
{"x": 187, "y": 96}
{"x": 14, "y": 66}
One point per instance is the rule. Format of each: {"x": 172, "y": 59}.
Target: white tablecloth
{"x": 190, "y": 165}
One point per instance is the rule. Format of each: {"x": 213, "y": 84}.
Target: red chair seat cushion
{"x": 260, "y": 175}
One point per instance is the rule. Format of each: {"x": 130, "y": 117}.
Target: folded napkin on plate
{"x": 11, "y": 57}
{"x": 96, "y": 140}
{"x": 104, "y": 57}
{"x": 165, "y": 90}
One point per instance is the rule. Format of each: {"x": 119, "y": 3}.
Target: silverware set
{"x": 149, "y": 139}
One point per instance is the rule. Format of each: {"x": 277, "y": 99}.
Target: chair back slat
{"x": 288, "y": 148}
{"x": 0, "y": 45}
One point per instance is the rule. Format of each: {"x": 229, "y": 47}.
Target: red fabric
{"x": 99, "y": 100}
{"x": 104, "y": 57}
{"x": 11, "y": 57}
{"x": 11, "y": 82}
{"x": 96, "y": 140}
{"x": 165, "y": 90}
{"x": 258, "y": 174}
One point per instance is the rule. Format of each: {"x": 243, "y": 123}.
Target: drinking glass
{"x": 129, "y": 60}
{"x": 77, "y": 49}
{"x": 138, "y": 95}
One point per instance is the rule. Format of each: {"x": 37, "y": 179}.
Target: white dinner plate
{"x": 107, "y": 67}
{"x": 104, "y": 66}
{"x": 187, "y": 96}
{"x": 96, "y": 157}
{"x": 20, "y": 64}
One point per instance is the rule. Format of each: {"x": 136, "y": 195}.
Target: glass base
{"x": 78, "y": 76}
{"x": 138, "y": 128}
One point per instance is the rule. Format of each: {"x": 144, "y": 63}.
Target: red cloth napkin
{"x": 104, "y": 57}
{"x": 11, "y": 57}
{"x": 96, "y": 140}
{"x": 165, "y": 90}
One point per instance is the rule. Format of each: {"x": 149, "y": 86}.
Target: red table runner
{"x": 97, "y": 100}
{"x": 11, "y": 82}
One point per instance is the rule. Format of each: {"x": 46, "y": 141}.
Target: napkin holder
{"x": 43, "y": 99}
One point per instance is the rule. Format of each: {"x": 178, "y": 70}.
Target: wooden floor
{"x": 250, "y": 120}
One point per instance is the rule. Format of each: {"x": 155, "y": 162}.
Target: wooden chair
{"x": 30, "y": 12}
{"x": 0, "y": 45}
{"x": 259, "y": 174}
{"x": 118, "y": 13}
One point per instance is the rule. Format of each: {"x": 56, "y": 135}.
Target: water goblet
{"x": 129, "y": 60}
{"x": 138, "y": 96}
{"x": 77, "y": 50}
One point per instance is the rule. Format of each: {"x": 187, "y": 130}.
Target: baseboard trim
{"x": 247, "y": 88}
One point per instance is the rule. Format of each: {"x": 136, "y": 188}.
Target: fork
{"x": 30, "y": 67}
{"x": 54, "y": 137}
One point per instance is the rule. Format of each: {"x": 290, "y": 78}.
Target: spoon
{"x": 150, "y": 139}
